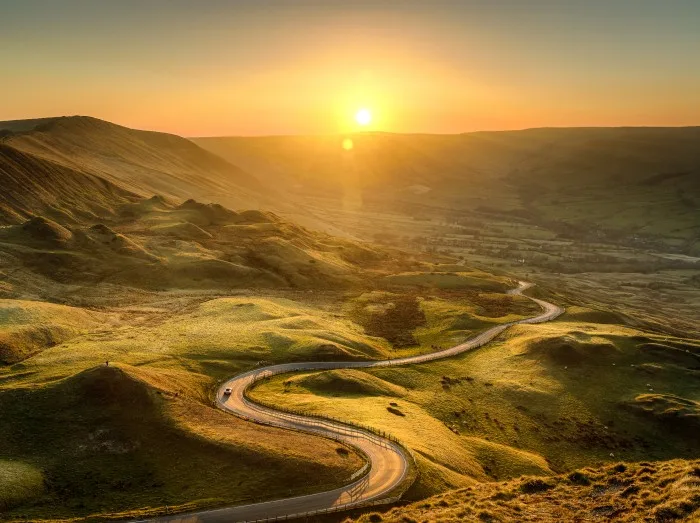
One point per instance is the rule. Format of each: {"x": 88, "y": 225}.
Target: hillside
{"x": 146, "y": 251}
{"x": 33, "y": 185}
{"x": 539, "y": 400}
{"x": 626, "y": 492}
{"x": 112, "y": 440}
{"x": 144, "y": 163}
{"x": 594, "y": 181}
{"x": 153, "y": 244}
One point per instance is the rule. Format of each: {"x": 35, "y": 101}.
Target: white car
{"x": 227, "y": 391}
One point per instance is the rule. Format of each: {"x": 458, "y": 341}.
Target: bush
{"x": 579, "y": 478}
{"x": 395, "y": 411}
{"x": 532, "y": 486}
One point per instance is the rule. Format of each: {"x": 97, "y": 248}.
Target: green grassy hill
{"x": 540, "y": 400}
{"x": 82, "y": 440}
{"x": 112, "y": 443}
{"x": 157, "y": 245}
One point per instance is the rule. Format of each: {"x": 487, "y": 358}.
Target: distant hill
{"x": 624, "y": 180}
{"x": 142, "y": 163}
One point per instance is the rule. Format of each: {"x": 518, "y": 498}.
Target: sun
{"x": 363, "y": 117}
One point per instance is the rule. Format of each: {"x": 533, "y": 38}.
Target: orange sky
{"x": 265, "y": 67}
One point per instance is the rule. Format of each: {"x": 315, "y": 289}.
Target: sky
{"x": 259, "y": 67}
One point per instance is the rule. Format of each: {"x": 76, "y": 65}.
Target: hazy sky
{"x": 214, "y": 67}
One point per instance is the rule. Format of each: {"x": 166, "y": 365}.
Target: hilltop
{"x": 122, "y": 160}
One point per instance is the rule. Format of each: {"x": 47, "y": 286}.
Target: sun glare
{"x": 363, "y": 117}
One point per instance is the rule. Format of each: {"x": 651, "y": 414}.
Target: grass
{"x": 135, "y": 431}
{"x": 108, "y": 441}
{"x": 541, "y": 399}
{"x": 204, "y": 340}
{"x": 20, "y": 483}
{"x": 28, "y": 327}
{"x": 630, "y": 492}
{"x": 420, "y": 320}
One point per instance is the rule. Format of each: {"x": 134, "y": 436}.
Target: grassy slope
{"x": 33, "y": 185}
{"x": 445, "y": 459}
{"x": 631, "y": 492}
{"x": 542, "y": 398}
{"x": 214, "y": 339}
{"x": 109, "y": 441}
{"x": 157, "y": 442}
{"x": 141, "y": 162}
{"x": 155, "y": 245}
{"x": 180, "y": 343}
{"x": 27, "y": 327}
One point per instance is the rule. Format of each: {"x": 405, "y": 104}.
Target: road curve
{"x": 388, "y": 461}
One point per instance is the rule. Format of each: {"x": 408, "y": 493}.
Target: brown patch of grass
{"x": 672, "y": 494}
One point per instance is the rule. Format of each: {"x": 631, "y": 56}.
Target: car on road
{"x": 227, "y": 391}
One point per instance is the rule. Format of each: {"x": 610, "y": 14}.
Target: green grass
{"x": 540, "y": 399}
{"x": 27, "y": 327}
{"x": 20, "y": 483}
{"x": 207, "y": 341}
{"x": 446, "y": 318}
{"x": 109, "y": 441}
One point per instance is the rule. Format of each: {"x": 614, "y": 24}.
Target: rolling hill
{"x": 124, "y": 161}
{"x": 593, "y": 181}
{"x": 181, "y": 267}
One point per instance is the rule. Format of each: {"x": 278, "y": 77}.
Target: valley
{"x": 140, "y": 272}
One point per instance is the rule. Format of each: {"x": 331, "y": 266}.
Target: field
{"x": 541, "y": 399}
{"x": 106, "y": 443}
{"x": 109, "y": 373}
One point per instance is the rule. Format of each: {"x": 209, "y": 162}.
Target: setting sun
{"x": 363, "y": 117}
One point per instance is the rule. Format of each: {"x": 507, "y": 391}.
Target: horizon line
{"x": 358, "y": 132}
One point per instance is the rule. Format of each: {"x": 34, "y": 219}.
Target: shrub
{"x": 629, "y": 491}
{"x": 395, "y": 411}
{"x": 532, "y": 486}
{"x": 579, "y": 478}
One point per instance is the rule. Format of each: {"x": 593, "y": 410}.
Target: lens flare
{"x": 347, "y": 144}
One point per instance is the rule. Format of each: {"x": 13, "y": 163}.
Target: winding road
{"x": 388, "y": 462}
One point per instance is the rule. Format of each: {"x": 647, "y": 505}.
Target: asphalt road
{"x": 388, "y": 462}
